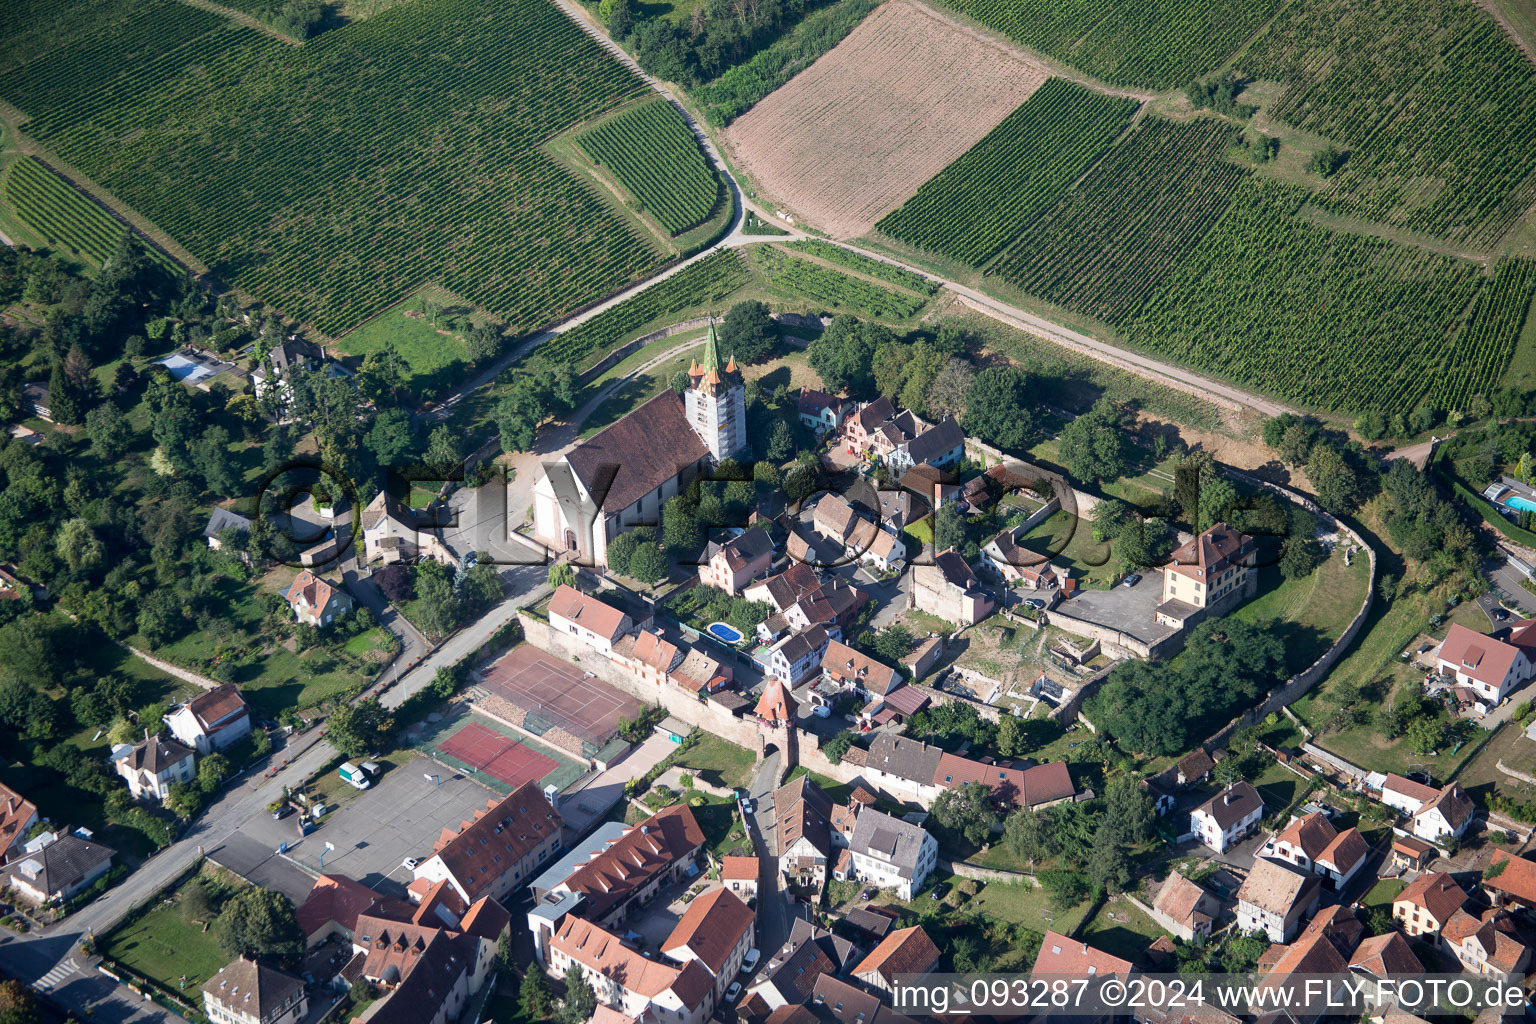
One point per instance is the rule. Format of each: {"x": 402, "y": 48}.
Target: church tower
{"x": 717, "y": 401}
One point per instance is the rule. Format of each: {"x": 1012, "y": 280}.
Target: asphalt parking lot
{"x": 256, "y": 859}
{"x": 1127, "y": 609}
{"x": 400, "y": 816}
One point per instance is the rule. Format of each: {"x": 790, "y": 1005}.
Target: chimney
{"x": 1226, "y": 797}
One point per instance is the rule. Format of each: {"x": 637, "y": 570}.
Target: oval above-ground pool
{"x": 723, "y": 632}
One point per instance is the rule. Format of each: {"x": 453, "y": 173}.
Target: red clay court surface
{"x": 559, "y": 693}
{"x": 497, "y": 755}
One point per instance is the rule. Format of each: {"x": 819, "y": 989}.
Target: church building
{"x": 622, "y": 476}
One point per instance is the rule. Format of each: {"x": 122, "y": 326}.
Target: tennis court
{"x": 557, "y": 696}
{"x": 489, "y": 752}
{"x": 497, "y": 755}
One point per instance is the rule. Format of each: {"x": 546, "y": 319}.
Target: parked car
{"x": 869, "y": 893}
{"x": 1035, "y": 603}
{"x": 749, "y": 962}
{"x": 1131, "y": 580}
{"x": 938, "y": 892}
{"x": 282, "y": 812}
{"x": 1499, "y": 614}
{"x": 409, "y": 863}
{"x": 733, "y": 992}
{"x": 821, "y": 711}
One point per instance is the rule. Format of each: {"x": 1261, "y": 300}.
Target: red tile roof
{"x": 1345, "y": 851}
{"x": 1311, "y": 833}
{"x": 851, "y": 668}
{"x": 739, "y": 869}
{"x": 776, "y": 705}
{"x": 486, "y": 919}
{"x": 508, "y": 829}
{"x": 1179, "y": 899}
{"x": 1436, "y": 892}
{"x": 1211, "y": 552}
{"x": 908, "y": 951}
{"x": 1385, "y": 956}
{"x": 1517, "y": 878}
{"x": 639, "y": 855}
{"x": 15, "y": 817}
{"x": 1073, "y": 958}
{"x": 603, "y": 952}
{"x": 1478, "y": 656}
{"x": 711, "y": 928}
{"x": 1409, "y": 788}
{"x": 587, "y": 612}
{"x": 340, "y": 899}
{"x": 213, "y": 706}
{"x": 314, "y": 591}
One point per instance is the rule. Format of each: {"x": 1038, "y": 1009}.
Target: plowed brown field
{"x": 858, "y": 132}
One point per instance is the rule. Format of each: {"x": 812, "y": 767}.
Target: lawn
{"x": 165, "y": 947}
{"x": 272, "y": 676}
{"x": 1481, "y": 777}
{"x": 1119, "y": 928}
{"x": 1383, "y": 892}
{"x": 1279, "y": 787}
{"x": 1367, "y": 745}
{"x": 1068, "y": 542}
{"x": 434, "y": 355}
{"x": 716, "y": 762}
{"x": 1312, "y": 612}
{"x": 1026, "y": 905}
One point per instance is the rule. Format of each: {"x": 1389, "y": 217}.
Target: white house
{"x": 1436, "y": 813}
{"x": 316, "y": 602}
{"x": 55, "y": 867}
{"x": 796, "y": 657}
{"x": 1492, "y": 668}
{"x": 593, "y": 622}
{"x": 246, "y": 992}
{"x": 1227, "y": 817}
{"x": 625, "y": 980}
{"x": 1275, "y": 898}
{"x": 214, "y": 720}
{"x": 1209, "y": 575}
{"x": 889, "y": 853}
{"x": 1312, "y": 843}
{"x": 151, "y": 766}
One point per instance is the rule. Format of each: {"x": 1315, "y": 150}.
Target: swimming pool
{"x": 720, "y": 631}
{"x": 1524, "y": 504}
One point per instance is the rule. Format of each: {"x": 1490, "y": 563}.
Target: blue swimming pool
{"x": 721, "y": 631}
{"x": 1525, "y": 504}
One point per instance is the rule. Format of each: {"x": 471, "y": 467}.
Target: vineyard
{"x": 1333, "y": 320}
{"x": 1487, "y": 343}
{"x": 702, "y": 283}
{"x": 1141, "y": 44}
{"x": 652, "y": 152}
{"x": 127, "y": 58}
{"x": 64, "y": 217}
{"x": 789, "y": 274}
{"x": 1109, "y": 242}
{"x": 332, "y": 179}
{"x": 1437, "y": 104}
{"x": 980, "y": 202}
{"x": 864, "y": 265}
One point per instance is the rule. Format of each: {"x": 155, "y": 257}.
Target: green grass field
{"x": 1069, "y": 542}
{"x": 166, "y": 947}
{"x": 716, "y": 762}
{"x": 1311, "y": 612}
{"x": 435, "y": 355}
{"x": 1026, "y": 905}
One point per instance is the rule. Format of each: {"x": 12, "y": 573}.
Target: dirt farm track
{"x": 859, "y": 131}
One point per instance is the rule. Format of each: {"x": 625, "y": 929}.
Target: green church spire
{"x": 712, "y": 351}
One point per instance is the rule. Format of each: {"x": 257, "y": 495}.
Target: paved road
{"x": 529, "y": 586}
{"x": 413, "y": 646}
{"x": 1508, "y": 579}
{"x": 774, "y": 913}
{"x": 51, "y": 960}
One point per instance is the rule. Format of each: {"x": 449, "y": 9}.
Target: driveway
{"x": 413, "y": 646}
{"x": 1506, "y": 580}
